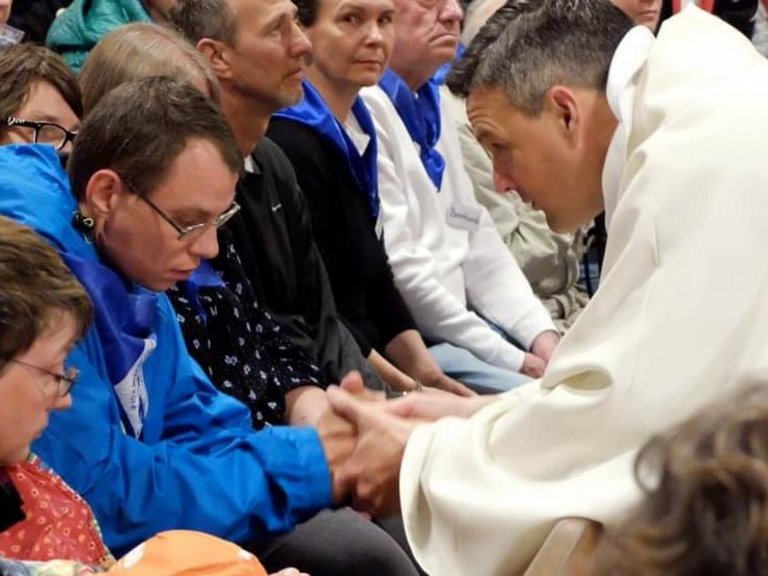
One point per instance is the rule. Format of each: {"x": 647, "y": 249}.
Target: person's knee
{"x": 365, "y": 548}
{"x": 338, "y": 543}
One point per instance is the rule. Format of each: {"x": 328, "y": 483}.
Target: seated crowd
{"x": 291, "y": 278}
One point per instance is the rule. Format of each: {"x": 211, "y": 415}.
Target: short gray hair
{"x": 567, "y": 42}
{"x": 198, "y": 19}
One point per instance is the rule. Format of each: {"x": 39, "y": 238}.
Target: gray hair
{"x": 140, "y": 50}
{"x": 568, "y": 42}
{"x": 198, "y": 19}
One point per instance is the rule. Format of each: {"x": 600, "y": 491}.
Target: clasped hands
{"x": 364, "y": 437}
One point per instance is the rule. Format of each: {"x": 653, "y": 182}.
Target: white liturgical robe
{"x": 680, "y": 319}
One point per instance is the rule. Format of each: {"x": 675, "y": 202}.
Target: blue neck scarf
{"x": 203, "y": 277}
{"x": 314, "y": 112}
{"x": 123, "y": 322}
{"x": 420, "y": 112}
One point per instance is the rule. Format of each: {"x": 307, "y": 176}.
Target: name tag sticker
{"x": 464, "y": 217}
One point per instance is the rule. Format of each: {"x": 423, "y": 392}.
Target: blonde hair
{"x": 141, "y": 50}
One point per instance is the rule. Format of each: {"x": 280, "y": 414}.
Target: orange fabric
{"x": 186, "y": 553}
{"x": 58, "y": 523}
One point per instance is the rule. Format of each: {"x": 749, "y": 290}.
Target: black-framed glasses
{"x": 64, "y": 382}
{"x": 192, "y": 231}
{"x": 45, "y": 132}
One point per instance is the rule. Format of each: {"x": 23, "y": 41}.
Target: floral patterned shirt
{"x": 239, "y": 344}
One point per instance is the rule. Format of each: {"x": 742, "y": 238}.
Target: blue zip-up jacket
{"x": 198, "y": 463}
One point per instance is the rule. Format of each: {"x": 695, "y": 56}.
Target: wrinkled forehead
{"x": 486, "y": 99}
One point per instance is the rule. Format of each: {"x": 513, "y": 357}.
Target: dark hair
{"x": 21, "y": 65}
{"x": 198, "y": 19}
{"x": 706, "y": 498}
{"x": 139, "y": 50}
{"x": 34, "y": 284}
{"x": 307, "y": 13}
{"x": 139, "y": 129}
{"x": 555, "y": 42}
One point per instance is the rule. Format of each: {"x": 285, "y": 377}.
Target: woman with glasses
{"x": 39, "y": 98}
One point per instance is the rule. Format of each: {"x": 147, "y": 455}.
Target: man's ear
{"x": 217, "y": 55}
{"x": 102, "y": 193}
{"x": 564, "y": 106}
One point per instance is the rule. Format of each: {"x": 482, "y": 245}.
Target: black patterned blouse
{"x": 239, "y": 344}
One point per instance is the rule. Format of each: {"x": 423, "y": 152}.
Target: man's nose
{"x": 206, "y": 246}
{"x": 300, "y": 44}
{"x": 502, "y": 182}
{"x": 451, "y": 11}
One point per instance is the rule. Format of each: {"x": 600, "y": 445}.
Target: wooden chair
{"x": 569, "y": 542}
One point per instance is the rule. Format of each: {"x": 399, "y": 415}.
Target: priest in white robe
{"x": 674, "y": 146}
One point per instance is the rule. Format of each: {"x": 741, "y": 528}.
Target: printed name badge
{"x": 464, "y": 217}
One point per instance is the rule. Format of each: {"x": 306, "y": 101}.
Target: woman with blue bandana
{"x": 331, "y": 140}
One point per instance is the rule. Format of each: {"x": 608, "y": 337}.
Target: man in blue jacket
{"x": 150, "y": 443}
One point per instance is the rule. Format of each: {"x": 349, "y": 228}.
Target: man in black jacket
{"x": 258, "y": 57}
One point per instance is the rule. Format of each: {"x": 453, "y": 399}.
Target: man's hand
{"x": 305, "y": 405}
{"x": 429, "y": 407}
{"x": 289, "y": 572}
{"x": 338, "y": 438}
{"x": 353, "y": 383}
{"x": 533, "y": 366}
{"x": 448, "y": 384}
{"x": 544, "y": 344}
{"x": 374, "y": 467}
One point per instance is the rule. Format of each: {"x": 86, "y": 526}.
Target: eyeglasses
{"x": 64, "y": 382}
{"x": 192, "y": 231}
{"x": 45, "y": 132}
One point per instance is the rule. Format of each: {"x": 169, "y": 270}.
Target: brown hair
{"x": 706, "y": 506}
{"x": 140, "y": 50}
{"x": 21, "y": 65}
{"x": 34, "y": 283}
{"x": 139, "y": 129}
